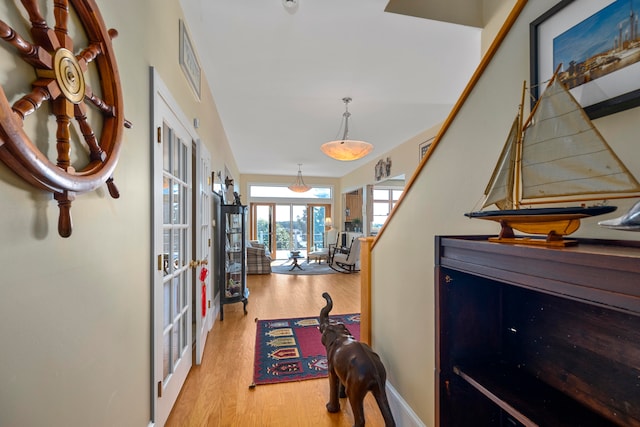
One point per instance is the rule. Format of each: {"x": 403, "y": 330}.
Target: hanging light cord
{"x": 299, "y": 186}
{"x": 301, "y": 181}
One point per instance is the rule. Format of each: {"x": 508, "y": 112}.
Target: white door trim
{"x": 163, "y": 395}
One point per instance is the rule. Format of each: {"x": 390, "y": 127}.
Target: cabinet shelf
{"x": 528, "y": 400}
{"x": 537, "y": 336}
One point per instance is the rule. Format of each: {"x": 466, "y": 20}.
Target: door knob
{"x": 194, "y": 263}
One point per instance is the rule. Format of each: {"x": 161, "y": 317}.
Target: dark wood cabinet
{"x": 233, "y": 271}
{"x": 537, "y": 336}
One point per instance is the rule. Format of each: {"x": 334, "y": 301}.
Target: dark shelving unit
{"x": 233, "y": 271}
{"x": 535, "y": 336}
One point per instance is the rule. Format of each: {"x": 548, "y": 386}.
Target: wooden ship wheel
{"x": 60, "y": 80}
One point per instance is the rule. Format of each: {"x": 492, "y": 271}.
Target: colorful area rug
{"x": 291, "y": 350}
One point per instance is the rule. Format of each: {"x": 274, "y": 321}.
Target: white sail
{"x": 500, "y": 191}
{"x": 563, "y": 154}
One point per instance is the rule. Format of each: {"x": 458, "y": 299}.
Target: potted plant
{"x": 357, "y": 223}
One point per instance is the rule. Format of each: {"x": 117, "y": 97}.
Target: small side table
{"x": 295, "y": 258}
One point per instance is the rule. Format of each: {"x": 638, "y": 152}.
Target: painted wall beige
{"x": 75, "y": 313}
{"x": 450, "y": 185}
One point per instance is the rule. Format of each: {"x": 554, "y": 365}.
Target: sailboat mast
{"x": 518, "y": 156}
{"x": 535, "y": 107}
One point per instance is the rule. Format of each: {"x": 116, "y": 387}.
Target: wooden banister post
{"x": 365, "y": 289}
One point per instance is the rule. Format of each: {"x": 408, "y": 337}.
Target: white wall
{"x": 451, "y": 183}
{"x": 495, "y": 13}
{"x": 75, "y": 313}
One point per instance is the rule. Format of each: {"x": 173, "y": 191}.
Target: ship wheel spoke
{"x": 113, "y": 190}
{"x": 88, "y": 54}
{"x": 63, "y": 110}
{"x": 64, "y": 200}
{"x": 96, "y": 153}
{"x": 40, "y": 31}
{"x": 30, "y": 102}
{"x": 107, "y": 110}
{"x": 61, "y": 14}
{"x": 30, "y": 53}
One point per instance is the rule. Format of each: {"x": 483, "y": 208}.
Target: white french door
{"x": 172, "y": 233}
{"x": 203, "y": 312}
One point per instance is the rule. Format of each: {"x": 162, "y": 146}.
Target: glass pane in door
{"x": 318, "y": 235}
{"x": 299, "y": 228}
{"x": 175, "y": 243}
{"x": 263, "y": 216}
{"x": 291, "y": 230}
{"x": 283, "y": 231}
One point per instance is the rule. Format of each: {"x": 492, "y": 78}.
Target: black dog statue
{"x": 354, "y": 369}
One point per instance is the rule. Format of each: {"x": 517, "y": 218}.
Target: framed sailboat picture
{"x": 596, "y": 44}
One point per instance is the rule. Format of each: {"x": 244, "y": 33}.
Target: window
{"x": 282, "y": 192}
{"x": 383, "y": 201}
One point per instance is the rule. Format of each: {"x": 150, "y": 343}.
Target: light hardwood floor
{"x": 217, "y": 392}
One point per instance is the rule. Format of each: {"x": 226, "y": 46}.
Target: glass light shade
{"x": 346, "y": 149}
{"x": 299, "y": 186}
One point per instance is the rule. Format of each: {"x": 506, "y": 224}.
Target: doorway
{"x": 202, "y": 265}
{"x": 181, "y": 229}
{"x": 286, "y": 227}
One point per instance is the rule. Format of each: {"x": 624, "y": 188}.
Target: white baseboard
{"x": 402, "y": 413}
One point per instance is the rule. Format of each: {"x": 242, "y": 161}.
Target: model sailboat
{"x": 557, "y": 156}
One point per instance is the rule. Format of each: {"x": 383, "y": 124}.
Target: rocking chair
{"x": 337, "y": 247}
{"x": 347, "y": 262}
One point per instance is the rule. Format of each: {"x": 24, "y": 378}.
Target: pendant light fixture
{"x": 299, "y": 186}
{"x": 346, "y": 149}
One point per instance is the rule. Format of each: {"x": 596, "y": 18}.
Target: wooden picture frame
{"x": 423, "y": 147}
{"x": 189, "y": 61}
{"x": 583, "y": 33}
{"x": 216, "y": 185}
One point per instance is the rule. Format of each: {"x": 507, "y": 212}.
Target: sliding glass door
{"x": 317, "y": 226}
{"x": 289, "y": 227}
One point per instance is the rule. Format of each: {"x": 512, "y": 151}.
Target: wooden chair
{"x": 347, "y": 262}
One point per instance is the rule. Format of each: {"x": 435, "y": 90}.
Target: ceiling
{"x": 278, "y": 75}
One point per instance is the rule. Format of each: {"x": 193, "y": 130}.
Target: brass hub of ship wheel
{"x": 69, "y": 75}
